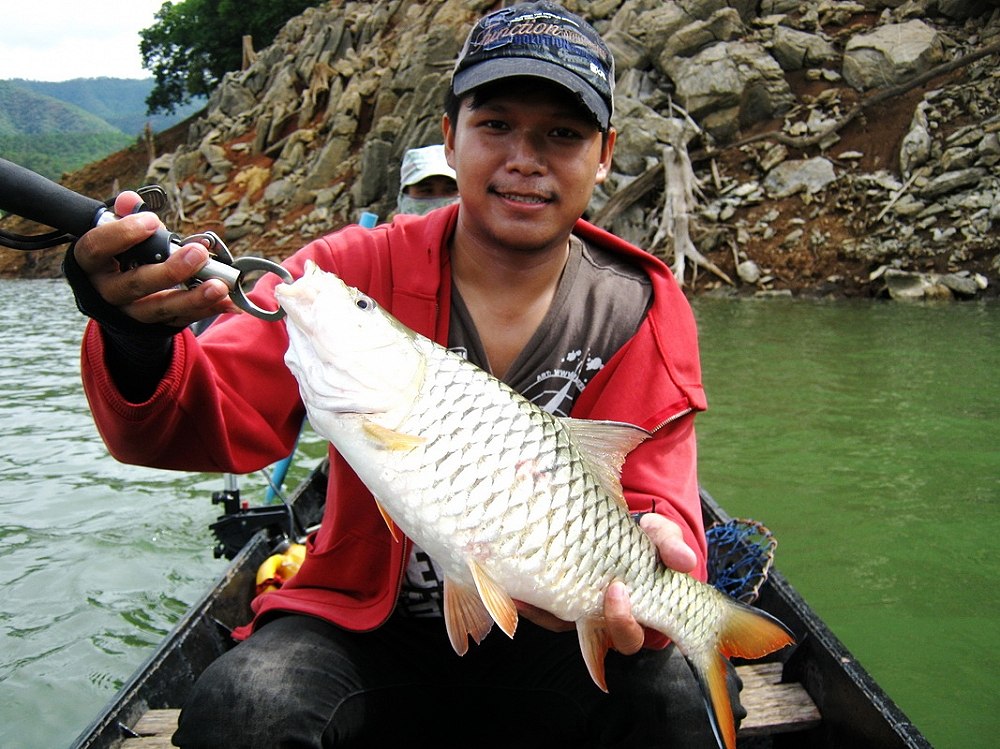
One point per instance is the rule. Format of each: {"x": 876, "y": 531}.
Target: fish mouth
{"x": 293, "y": 298}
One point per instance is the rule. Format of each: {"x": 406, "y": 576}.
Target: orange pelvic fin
{"x": 594, "y": 644}
{"x": 496, "y": 600}
{"x": 390, "y": 523}
{"x": 464, "y": 615}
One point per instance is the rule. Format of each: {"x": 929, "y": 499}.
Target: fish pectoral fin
{"x": 499, "y": 605}
{"x": 594, "y": 644}
{"x": 390, "y": 439}
{"x": 464, "y": 615}
{"x": 604, "y": 445}
{"x": 393, "y": 528}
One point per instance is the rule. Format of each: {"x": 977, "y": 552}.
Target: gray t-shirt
{"x": 598, "y": 306}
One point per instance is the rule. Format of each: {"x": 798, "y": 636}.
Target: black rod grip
{"x": 32, "y": 196}
{"x": 156, "y": 249}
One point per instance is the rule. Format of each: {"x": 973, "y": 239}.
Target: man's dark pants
{"x": 301, "y": 682}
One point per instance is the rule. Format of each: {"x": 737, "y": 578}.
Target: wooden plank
{"x": 155, "y": 728}
{"x": 773, "y": 707}
{"x": 148, "y": 742}
{"x": 758, "y": 675}
{"x": 156, "y": 722}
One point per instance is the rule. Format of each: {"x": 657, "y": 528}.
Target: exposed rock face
{"x": 312, "y": 133}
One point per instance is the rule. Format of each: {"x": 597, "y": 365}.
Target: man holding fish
{"x": 352, "y": 651}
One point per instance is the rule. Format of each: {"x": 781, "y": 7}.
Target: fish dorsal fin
{"x": 604, "y": 445}
{"x": 500, "y": 605}
{"x": 594, "y": 644}
{"x": 464, "y": 615}
{"x": 390, "y": 439}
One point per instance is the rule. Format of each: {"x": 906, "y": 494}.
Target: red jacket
{"x": 228, "y": 404}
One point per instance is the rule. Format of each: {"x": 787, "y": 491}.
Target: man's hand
{"x": 626, "y": 634}
{"x": 669, "y": 541}
{"x": 148, "y": 293}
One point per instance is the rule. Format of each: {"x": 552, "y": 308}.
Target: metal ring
{"x": 215, "y": 245}
{"x": 238, "y": 295}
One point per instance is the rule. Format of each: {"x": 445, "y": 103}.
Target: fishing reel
{"x": 32, "y": 196}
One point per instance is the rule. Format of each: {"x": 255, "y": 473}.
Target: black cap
{"x": 542, "y": 40}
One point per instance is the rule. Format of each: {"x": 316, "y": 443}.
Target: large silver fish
{"x": 513, "y": 503}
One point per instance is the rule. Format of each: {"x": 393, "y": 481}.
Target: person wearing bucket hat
{"x": 426, "y": 181}
{"x": 352, "y": 650}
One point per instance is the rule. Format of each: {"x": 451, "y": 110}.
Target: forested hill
{"x": 58, "y": 127}
{"x": 121, "y": 102}
{"x": 24, "y": 112}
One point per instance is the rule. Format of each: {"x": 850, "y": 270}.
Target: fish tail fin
{"x": 711, "y": 677}
{"x": 746, "y": 632}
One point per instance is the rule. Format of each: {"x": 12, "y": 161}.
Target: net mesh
{"x": 740, "y": 555}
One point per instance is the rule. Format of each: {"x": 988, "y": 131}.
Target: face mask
{"x": 420, "y": 206}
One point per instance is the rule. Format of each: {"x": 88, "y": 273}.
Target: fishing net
{"x": 740, "y": 555}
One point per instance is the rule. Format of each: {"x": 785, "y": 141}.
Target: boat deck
{"x": 772, "y": 707}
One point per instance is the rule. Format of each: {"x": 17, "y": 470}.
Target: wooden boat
{"x": 815, "y": 695}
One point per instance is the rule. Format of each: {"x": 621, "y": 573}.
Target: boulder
{"x": 729, "y": 86}
{"x": 891, "y": 54}
{"x": 796, "y": 176}
{"x": 794, "y": 49}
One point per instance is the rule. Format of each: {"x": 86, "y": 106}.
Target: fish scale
{"x": 489, "y": 477}
{"x": 599, "y": 527}
{"x": 493, "y": 472}
{"x": 513, "y": 503}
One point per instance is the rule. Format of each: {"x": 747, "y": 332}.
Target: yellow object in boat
{"x": 278, "y": 569}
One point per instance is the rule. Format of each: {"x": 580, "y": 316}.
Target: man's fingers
{"x": 126, "y": 202}
{"x": 124, "y": 288}
{"x": 625, "y": 632}
{"x": 176, "y": 269}
{"x": 181, "y": 307}
{"x": 543, "y": 618}
{"x": 151, "y": 293}
{"x": 669, "y": 541}
{"x": 95, "y": 251}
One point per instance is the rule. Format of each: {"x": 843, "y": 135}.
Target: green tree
{"x": 194, "y": 43}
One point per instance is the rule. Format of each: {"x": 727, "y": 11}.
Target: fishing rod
{"x": 29, "y": 195}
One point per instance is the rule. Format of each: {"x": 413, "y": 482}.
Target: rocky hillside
{"x": 821, "y": 148}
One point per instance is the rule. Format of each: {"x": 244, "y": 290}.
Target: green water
{"x": 864, "y": 435}
{"x": 99, "y": 560}
{"x": 867, "y": 437}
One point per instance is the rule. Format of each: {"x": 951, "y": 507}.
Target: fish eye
{"x": 364, "y": 303}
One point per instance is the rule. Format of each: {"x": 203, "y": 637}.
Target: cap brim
{"x": 514, "y": 67}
